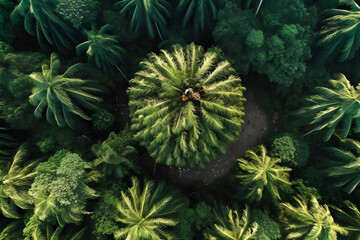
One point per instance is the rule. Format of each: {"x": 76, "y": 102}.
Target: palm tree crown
{"x": 337, "y": 106}
{"x": 145, "y": 213}
{"x": 149, "y": 14}
{"x": 262, "y": 173}
{"x": 61, "y": 94}
{"x": 186, "y": 106}
{"x": 101, "y": 49}
{"x": 309, "y": 220}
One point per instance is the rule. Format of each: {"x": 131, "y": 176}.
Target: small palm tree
{"x": 61, "y": 94}
{"x": 334, "y": 107}
{"x": 40, "y": 20}
{"x": 231, "y": 226}
{"x": 309, "y": 220}
{"x": 150, "y": 14}
{"x": 261, "y": 173}
{"x": 145, "y": 213}
{"x": 347, "y": 165}
{"x": 102, "y": 49}
{"x": 15, "y": 180}
{"x": 200, "y": 13}
{"x": 341, "y": 31}
{"x": 186, "y": 106}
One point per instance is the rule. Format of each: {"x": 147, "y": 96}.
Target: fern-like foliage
{"x": 12, "y": 230}
{"x": 150, "y": 15}
{"x": 309, "y": 220}
{"x": 61, "y": 94}
{"x": 346, "y": 172}
{"x": 59, "y": 233}
{"x": 147, "y": 212}
{"x": 341, "y": 32}
{"x": 183, "y": 130}
{"x": 230, "y": 225}
{"x": 40, "y": 20}
{"x": 351, "y": 216}
{"x": 333, "y": 108}
{"x": 15, "y": 180}
{"x": 102, "y": 49}
{"x": 261, "y": 173}
{"x": 200, "y": 13}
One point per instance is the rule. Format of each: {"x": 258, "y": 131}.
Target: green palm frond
{"x": 178, "y": 130}
{"x": 61, "y": 95}
{"x": 147, "y": 212}
{"x": 40, "y": 20}
{"x": 347, "y": 165}
{"x": 12, "y": 231}
{"x": 351, "y": 216}
{"x": 261, "y": 173}
{"x": 150, "y": 15}
{"x": 230, "y": 225}
{"x": 102, "y": 49}
{"x": 334, "y": 108}
{"x": 7, "y": 142}
{"x": 309, "y": 220}
{"x": 200, "y": 13}
{"x": 341, "y": 32}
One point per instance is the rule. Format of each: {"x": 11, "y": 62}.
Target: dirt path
{"x": 254, "y": 130}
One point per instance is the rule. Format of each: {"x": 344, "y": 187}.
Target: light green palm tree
{"x": 147, "y": 212}
{"x": 230, "y": 225}
{"x": 261, "y": 174}
{"x": 199, "y": 13}
{"x": 150, "y": 15}
{"x": 102, "y": 49}
{"x": 15, "y": 181}
{"x": 340, "y": 34}
{"x": 186, "y": 106}
{"x": 334, "y": 108}
{"x": 309, "y": 220}
{"x": 40, "y": 20}
{"x": 346, "y": 165}
{"x": 61, "y": 94}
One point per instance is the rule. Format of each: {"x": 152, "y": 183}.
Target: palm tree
{"x": 347, "y": 165}
{"x": 61, "y": 94}
{"x": 150, "y": 14}
{"x": 186, "y": 106}
{"x": 146, "y": 213}
{"x": 341, "y": 30}
{"x": 200, "y": 13}
{"x": 15, "y": 180}
{"x": 309, "y": 220}
{"x": 41, "y": 21}
{"x": 57, "y": 234}
{"x": 102, "y": 49}
{"x": 337, "y": 106}
{"x": 231, "y": 226}
{"x": 261, "y": 173}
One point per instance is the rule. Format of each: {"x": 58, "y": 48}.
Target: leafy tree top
{"x": 186, "y": 105}
{"x": 334, "y": 107}
{"x": 309, "y": 220}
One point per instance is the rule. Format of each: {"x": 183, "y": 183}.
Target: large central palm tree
{"x": 261, "y": 173}
{"x": 336, "y": 107}
{"x": 147, "y": 212}
{"x": 186, "y": 106}
{"x": 146, "y": 14}
{"x": 61, "y": 94}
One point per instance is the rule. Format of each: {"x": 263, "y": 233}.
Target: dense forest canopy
{"x": 113, "y": 113}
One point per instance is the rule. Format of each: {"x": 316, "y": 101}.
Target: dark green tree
{"x": 6, "y": 28}
{"x": 102, "y": 49}
{"x": 150, "y": 15}
{"x": 186, "y": 106}
{"x": 261, "y": 175}
{"x": 147, "y": 212}
{"x": 61, "y": 94}
{"x": 333, "y": 108}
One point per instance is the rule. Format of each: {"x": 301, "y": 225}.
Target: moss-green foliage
{"x": 267, "y": 229}
{"x": 78, "y": 12}
{"x": 46, "y": 145}
{"x": 276, "y": 42}
{"x": 309, "y": 220}
{"x": 179, "y": 130}
{"x": 292, "y": 151}
{"x": 6, "y": 30}
{"x": 102, "y": 120}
